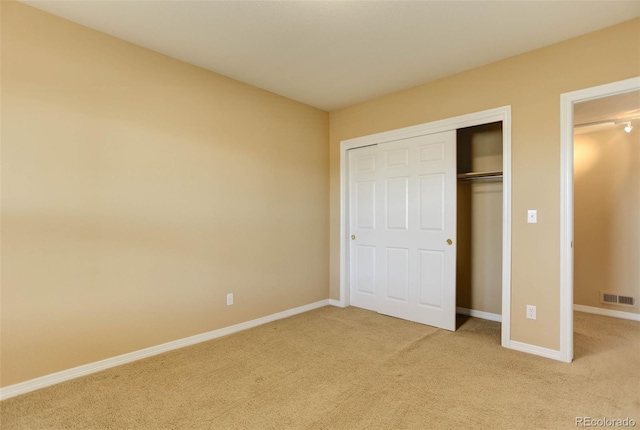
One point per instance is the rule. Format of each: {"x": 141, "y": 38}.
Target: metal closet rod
{"x": 475, "y": 176}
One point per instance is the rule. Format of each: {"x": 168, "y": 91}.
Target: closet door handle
{"x": 449, "y": 242}
{"x": 353, "y": 237}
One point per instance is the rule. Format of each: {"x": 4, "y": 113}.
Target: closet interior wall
{"x": 479, "y": 220}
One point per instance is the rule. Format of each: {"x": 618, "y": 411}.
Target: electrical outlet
{"x": 531, "y": 312}
{"x": 229, "y": 299}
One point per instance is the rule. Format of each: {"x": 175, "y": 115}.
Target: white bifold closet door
{"x": 402, "y": 215}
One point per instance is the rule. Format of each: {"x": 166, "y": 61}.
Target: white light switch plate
{"x": 532, "y": 216}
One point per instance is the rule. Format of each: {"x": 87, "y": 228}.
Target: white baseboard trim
{"x": 76, "y": 372}
{"x": 535, "y": 350}
{"x": 479, "y": 314}
{"x": 337, "y": 303}
{"x": 607, "y": 312}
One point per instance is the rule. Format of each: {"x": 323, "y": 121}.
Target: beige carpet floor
{"x": 352, "y": 369}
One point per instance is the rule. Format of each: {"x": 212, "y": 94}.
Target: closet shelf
{"x": 474, "y": 176}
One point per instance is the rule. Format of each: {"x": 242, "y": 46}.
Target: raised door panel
{"x": 365, "y": 205}
{"x": 431, "y": 278}
{"x": 432, "y": 201}
{"x": 365, "y": 263}
{"x": 397, "y": 203}
{"x": 397, "y": 274}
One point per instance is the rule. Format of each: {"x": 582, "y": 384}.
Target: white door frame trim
{"x": 566, "y": 200}
{"x": 502, "y": 114}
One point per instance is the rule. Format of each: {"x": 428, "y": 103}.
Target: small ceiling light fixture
{"x": 628, "y": 128}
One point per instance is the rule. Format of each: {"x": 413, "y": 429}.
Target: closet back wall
{"x": 479, "y": 221}
{"x": 138, "y": 190}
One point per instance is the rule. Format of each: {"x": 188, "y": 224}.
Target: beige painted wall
{"x": 607, "y": 214}
{"x": 138, "y": 190}
{"x": 479, "y": 221}
{"x": 531, "y": 83}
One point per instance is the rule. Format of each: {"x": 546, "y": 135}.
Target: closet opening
{"x": 479, "y": 222}
{"x": 378, "y": 201}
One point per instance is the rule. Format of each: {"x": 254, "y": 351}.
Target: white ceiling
{"x": 331, "y": 54}
{"x": 617, "y": 108}
{"x": 607, "y": 112}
